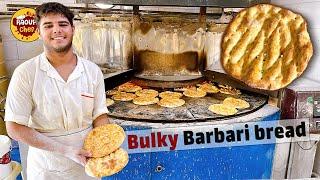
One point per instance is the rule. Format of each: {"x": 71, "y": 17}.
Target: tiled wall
{"x": 16, "y": 52}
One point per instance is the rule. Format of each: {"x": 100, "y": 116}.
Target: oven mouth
{"x": 190, "y": 112}
{"x": 194, "y": 110}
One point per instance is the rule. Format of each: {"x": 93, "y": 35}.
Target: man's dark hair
{"x": 55, "y": 8}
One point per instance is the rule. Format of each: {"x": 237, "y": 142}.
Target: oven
{"x": 171, "y": 50}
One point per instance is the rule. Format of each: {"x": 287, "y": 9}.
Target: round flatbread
{"x": 236, "y": 103}
{"x": 109, "y": 102}
{"x": 129, "y": 87}
{"x": 170, "y": 94}
{"x": 103, "y": 140}
{"x": 107, "y": 165}
{"x": 225, "y": 89}
{"x": 266, "y": 47}
{"x": 222, "y": 109}
{"x": 194, "y": 93}
{"x": 171, "y": 103}
{"x": 209, "y": 88}
{"x": 112, "y": 92}
{"x": 145, "y": 100}
{"x": 147, "y": 92}
{"x": 123, "y": 96}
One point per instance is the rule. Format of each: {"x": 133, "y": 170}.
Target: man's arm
{"x": 35, "y": 139}
{"x": 101, "y": 120}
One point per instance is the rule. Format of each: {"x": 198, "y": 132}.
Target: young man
{"x": 54, "y": 99}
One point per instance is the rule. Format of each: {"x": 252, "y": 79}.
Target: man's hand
{"x": 78, "y": 155}
{"x": 101, "y": 120}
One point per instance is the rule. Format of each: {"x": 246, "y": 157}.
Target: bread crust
{"x": 171, "y": 103}
{"x": 129, "y": 87}
{"x": 103, "y": 140}
{"x": 222, "y": 109}
{"x": 145, "y": 100}
{"x": 147, "y": 92}
{"x": 236, "y": 103}
{"x": 107, "y": 165}
{"x": 209, "y": 88}
{"x": 194, "y": 93}
{"x": 170, "y": 94}
{"x": 123, "y": 96}
{"x": 266, "y": 47}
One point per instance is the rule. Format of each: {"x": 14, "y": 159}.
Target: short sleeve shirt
{"x": 39, "y": 98}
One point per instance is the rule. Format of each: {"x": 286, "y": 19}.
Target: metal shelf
{"x": 184, "y": 3}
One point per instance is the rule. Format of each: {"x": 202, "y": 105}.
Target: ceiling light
{"x": 103, "y": 6}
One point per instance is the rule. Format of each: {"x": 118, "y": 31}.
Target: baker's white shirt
{"x": 39, "y": 98}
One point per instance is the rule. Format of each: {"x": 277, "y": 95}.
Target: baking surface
{"x": 195, "y": 109}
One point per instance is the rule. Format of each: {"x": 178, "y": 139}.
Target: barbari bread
{"x": 107, "y": 165}
{"x": 112, "y": 92}
{"x": 170, "y": 94}
{"x": 236, "y": 103}
{"x": 171, "y": 102}
{"x": 194, "y": 93}
{"x": 222, "y": 109}
{"x": 145, "y": 100}
{"x": 129, "y": 87}
{"x": 225, "y": 89}
{"x": 147, "y": 92}
{"x": 123, "y": 96}
{"x": 103, "y": 140}
{"x": 209, "y": 88}
{"x": 266, "y": 47}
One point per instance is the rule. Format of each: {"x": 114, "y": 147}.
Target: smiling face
{"x": 56, "y": 32}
